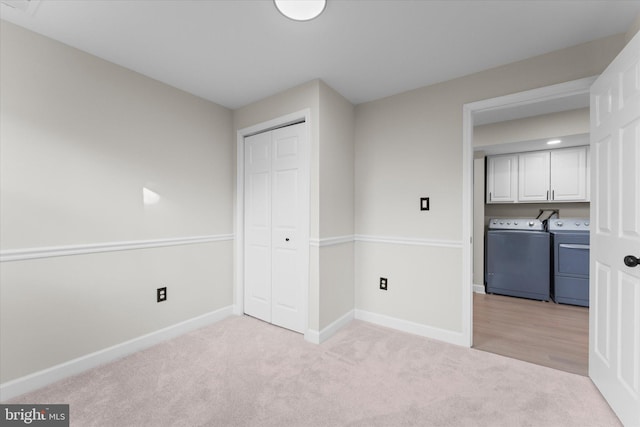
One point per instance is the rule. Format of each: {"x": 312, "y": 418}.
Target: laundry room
{"x": 531, "y": 231}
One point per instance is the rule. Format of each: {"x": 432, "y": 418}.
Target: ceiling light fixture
{"x": 554, "y": 141}
{"x": 300, "y": 10}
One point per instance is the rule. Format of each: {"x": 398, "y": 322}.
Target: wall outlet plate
{"x": 383, "y": 283}
{"x": 161, "y": 294}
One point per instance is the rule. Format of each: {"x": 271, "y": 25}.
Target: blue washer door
{"x": 518, "y": 263}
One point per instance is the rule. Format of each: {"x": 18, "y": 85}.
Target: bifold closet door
{"x": 276, "y": 217}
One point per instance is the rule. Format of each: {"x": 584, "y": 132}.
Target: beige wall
{"x": 531, "y": 210}
{"x": 337, "y": 123}
{"x": 80, "y": 139}
{"x": 337, "y": 262}
{"x": 410, "y": 145}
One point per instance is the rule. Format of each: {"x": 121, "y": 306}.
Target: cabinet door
{"x": 502, "y": 179}
{"x": 569, "y": 175}
{"x": 533, "y": 177}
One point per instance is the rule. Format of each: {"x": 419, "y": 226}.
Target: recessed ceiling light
{"x": 554, "y": 141}
{"x": 300, "y": 10}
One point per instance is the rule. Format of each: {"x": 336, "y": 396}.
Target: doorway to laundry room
{"x": 531, "y": 170}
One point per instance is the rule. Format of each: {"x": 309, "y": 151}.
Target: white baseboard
{"x": 478, "y": 289}
{"x": 237, "y": 310}
{"x": 411, "y": 327}
{"x": 37, "y": 380}
{"x": 319, "y": 337}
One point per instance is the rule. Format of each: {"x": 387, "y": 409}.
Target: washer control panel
{"x": 516, "y": 224}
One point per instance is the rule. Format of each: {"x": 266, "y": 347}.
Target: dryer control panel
{"x": 569, "y": 224}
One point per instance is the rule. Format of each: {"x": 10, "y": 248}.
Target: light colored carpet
{"x": 243, "y": 372}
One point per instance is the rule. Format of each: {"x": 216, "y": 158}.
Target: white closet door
{"x": 277, "y": 235}
{"x": 290, "y": 227}
{"x": 257, "y": 223}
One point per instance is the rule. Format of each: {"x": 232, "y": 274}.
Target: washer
{"x": 518, "y": 259}
{"x": 570, "y": 243}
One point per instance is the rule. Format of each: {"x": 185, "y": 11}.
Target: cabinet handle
{"x": 547, "y": 194}
{"x": 553, "y": 194}
{"x": 490, "y": 196}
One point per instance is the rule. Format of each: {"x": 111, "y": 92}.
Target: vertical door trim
{"x": 580, "y": 86}
{"x": 238, "y": 288}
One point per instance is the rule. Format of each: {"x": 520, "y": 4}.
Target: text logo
{"x": 34, "y": 415}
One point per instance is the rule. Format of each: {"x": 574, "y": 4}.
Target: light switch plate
{"x": 424, "y": 203}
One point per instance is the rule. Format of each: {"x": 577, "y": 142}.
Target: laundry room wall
{"x": 571, "y": 122}
{"x": 564, "y": 123}
{"x": 410, "y": 146}
{"x": 80, "y": 140}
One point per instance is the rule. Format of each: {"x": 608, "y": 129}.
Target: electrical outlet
{"x": 162, "y": 294}
{"x": 383, "y": 283}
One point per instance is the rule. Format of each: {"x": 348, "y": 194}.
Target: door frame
{"x": 238, "y": 288}
{"x": 533, "y": 96}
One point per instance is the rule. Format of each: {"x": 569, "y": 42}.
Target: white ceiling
{"x": 234, "y": 52}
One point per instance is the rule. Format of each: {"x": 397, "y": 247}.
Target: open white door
{"x": 614, "y": 317}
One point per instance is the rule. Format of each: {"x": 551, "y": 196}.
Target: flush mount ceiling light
{"x": 554, "y": 141}
{"x": 300, "y": 10}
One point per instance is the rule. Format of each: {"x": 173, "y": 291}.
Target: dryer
{"x": 570, "y": 247}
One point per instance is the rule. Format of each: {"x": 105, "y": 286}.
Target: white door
{"x": 276, "y": 268}
{"x": 614, "y": 317}
{"x": 257, "y": 223}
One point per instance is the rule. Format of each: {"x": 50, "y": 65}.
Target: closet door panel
{"x": 257, "y": 220}
{"x": 290, "y": 234}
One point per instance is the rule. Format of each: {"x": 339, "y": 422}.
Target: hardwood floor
{"x": 545, "y": 333}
